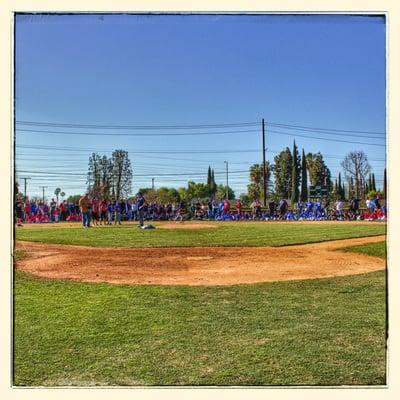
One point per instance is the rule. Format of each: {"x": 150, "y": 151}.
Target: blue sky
{"x": 321, "y": 71}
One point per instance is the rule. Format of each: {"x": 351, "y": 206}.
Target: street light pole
{"x": 227, "y": 186}
{"x": 264, "y": 167}
{"x": 43, "y": 187}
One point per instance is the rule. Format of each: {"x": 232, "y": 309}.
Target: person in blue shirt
{"x": 318, "y": 209}
{"x": 117, "y": 212}
{"x": 140, "y": 201}
{"x": 309, "y": 208}
{"x": 220, "y": 209}
{"x": 110, "y": 212}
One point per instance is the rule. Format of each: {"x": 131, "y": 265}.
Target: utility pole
{"x": 227, "y": 173}
{"x": 152, "y": 183}
{"x": 43, "y": 187}
{"x": 25, "y": 179}
{"x": 264, "y": 168}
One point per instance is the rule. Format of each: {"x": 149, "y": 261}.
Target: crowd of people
{"x": 92, "y": 211}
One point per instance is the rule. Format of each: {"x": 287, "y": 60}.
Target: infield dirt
{"x": 197, "y": 265}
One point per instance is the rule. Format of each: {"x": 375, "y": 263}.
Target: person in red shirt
{"x": 227, "y": 207}
{"x": 238, "y": 208}
{"x": 27, "y": 209}
{"x": 103, "y": 212}
{"x": 95, "y": 211}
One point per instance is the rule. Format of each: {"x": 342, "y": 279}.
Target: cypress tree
{"x": 213, "y": 184}
{"x": 209, "y": 179}
{"x": 340, "y": 190}
{"x": 369, "y": 187}
{"x": 303, "y": 191}
{"x": 295, "y": 175}
{"x": 373, "y": 186}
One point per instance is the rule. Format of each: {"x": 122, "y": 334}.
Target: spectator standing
{"x": 84, "y": 205}
{"x": 141, "y": 202}
{"x": 117, "y": 211}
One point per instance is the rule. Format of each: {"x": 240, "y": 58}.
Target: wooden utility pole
{"x": 25, "y": 179}
{"x": 264, "y": 167}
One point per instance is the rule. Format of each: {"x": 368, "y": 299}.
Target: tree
{"x": 221, "y": 193}
{"x": 369, "y": 184}
{"x": 373, "y": 187}
{"x": 356, "y": 166}
{"x": 196, "y": 191}
{"x": 295, "y": 179}
{"x": 57, "y": 192}
{"x": 304, "y": 185}
{"x": 166, "y": 195}
{"x": 245, "y": 199}
{"x": 62, "y": 194}
{"x": 318, "y": 171}
{"x": 283, "y": 173}
{"x": 74, "y": 199}
{"x": 212, "y": 186}
{"x": 255, "y": 189}
{"x": 351, "y": 188}
{"x": 106, "y": 169}
{"x": 93, "y": 175}
{"x": 121, "y": 174}
{"x": 340, "y": 188}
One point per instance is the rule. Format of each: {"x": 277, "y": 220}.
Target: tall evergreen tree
{"x": 373, "y": 183}
{"x": 213, "y": 184}
{"x": 209, "y": 181}
{"x": 340, "y": 190}
{"x": 369, "y": 185}
{"x": 295, "y": 180}
{"x": 304, "y": 183}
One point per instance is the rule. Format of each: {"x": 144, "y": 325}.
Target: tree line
{"x": 292, "y": 173}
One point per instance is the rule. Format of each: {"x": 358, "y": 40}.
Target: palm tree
{"x": 57, "y": 192}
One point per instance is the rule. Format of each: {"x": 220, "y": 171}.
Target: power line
{"x": 332, "y": 133}
{"x": 329, "y": 140}
{"x": 94, "y": 126}
{"x": 322, "y": 129}
{"x": 136, "y": 134}
{"x": 192, "y": 126}
{"x": 138, "y": 175}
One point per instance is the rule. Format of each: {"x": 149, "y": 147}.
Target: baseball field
{"x": 200, "y": 303}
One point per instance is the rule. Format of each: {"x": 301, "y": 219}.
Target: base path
{"x": 197, "y": 265}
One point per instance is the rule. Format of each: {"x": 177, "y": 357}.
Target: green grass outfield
{"x": 219, "y": 234}
{"x": 312, "y": 332}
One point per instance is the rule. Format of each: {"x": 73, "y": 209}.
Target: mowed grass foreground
{"x": 313, "y": 332}
{"x": 221, "y": 234}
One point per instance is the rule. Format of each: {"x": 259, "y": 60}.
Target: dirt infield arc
{"x": 197, "y": 265}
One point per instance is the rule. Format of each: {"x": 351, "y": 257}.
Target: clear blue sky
{"x": 320, "y": 71}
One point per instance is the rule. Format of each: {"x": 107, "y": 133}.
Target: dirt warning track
{"x": 197, "y": 265}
